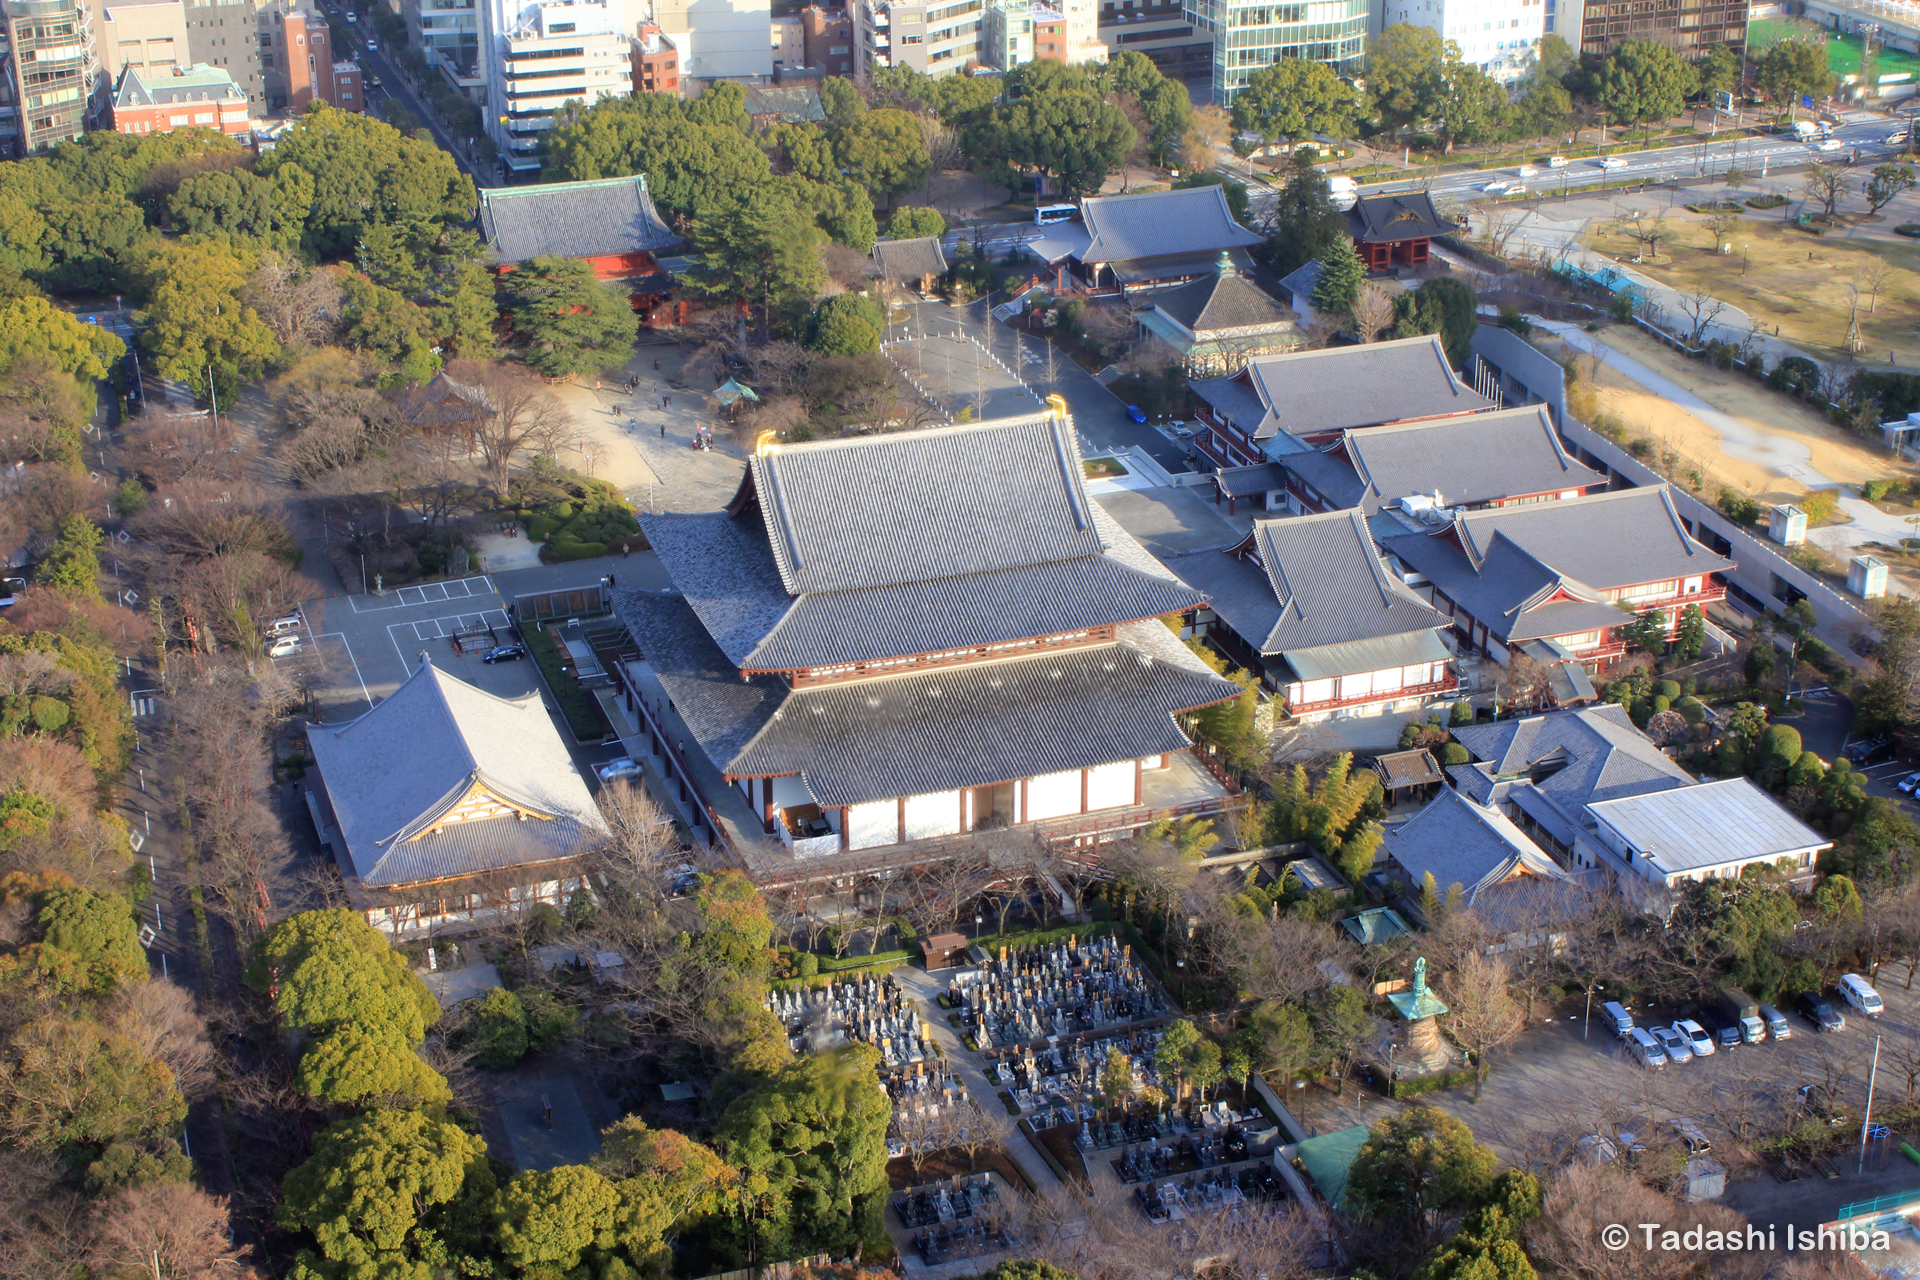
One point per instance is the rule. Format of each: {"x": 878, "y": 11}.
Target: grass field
{"x": 1796, "y": 281}
{"x": 1843, "y": 52}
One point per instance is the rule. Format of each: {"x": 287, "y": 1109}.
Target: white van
{"x": 1645, "y": 1048}
{"x": 281, "y": 625}
{"x": 1047, "y": 214}
{"x": 1776, "y": 1023}
{"x": 1617, "y": 1017}
{"x": 1855, "y": 990}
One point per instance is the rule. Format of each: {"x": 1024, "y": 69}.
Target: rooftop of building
{"x": 598, "y": 218}
{"x": 1224, "y": 299}
{"x": 1707, "y": 825}
{"x": 1159, "y": 224}
{"x": 1392, "y": 218}
{"x": 196, "y": 83}
{"x": 1310, "y": 393}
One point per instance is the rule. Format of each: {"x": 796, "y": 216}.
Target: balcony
{"x": 881, "y": 40}
{"x": 1407, "y": 692}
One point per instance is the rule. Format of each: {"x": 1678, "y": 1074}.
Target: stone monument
{"x": 1426, "y": 1050}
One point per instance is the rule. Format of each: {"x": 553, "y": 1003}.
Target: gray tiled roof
{"x": 1304, "y": 279}
{"x": 1479, "y": 458}
{"x": 1467, "y": 844}
{"x": 722, "y": 710}
{"x": 1161, "y": 223}
{"x": 1306, "y": 393}
{"x": 393, "y": 772}
{"x": 1332, "y": 587}
{"x": 1225, "y": 300}
{"x": 1329, "y": 473}
{"x": 724, "y": 563}
{"x": 1148, "y": 273}
{"x": 1707, "y": 825}
{"x": 1512, "y": 592}
{"x": 602, "y": 217}
{"x": 1595, "y": 753}
{"x": 1415, "y": 768}
{"x": 1248, "y": 482}
{"x": 992, "y": 722}
{"x": 1392, "y": 218}
{"x": 907, "y": 261}
{"x": 919, "y": 505}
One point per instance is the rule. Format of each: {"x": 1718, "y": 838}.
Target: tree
{"x": 1371, "y": 313}
{"x": 1487, "y": 1245}
{"x": 1793, "y": 69}
{"x": 35, "y": 332}
{"x": 1886, "y": 184}
{"x": 68, "y": 1085}
{"x": 87, "y": 941}
{"x": 72, "y": 564}
{"x": 1639, "y": 81}
{"x": 1701, "y": 310}
{"x": 1116, "y": 1078}
{"x": 365, "y": 173}
{"x": 497, "y": 1029}
{"x": 1828, "y": 184}
{"x": 664, "y": 1178}
{"x": 377, "y": 1194}
{"x": 1294, "y": 98}
{"x": 1357, "y": 851}
{"x": 847, "y": 324}
{"x": 883, "y": 150}
{"x": 572, "y": 322}
{"x": 1481, "y": 1013}
{"x": 333, "y": 968}
{"x": 1471, "y": 106}
{"x": 1072, "y": 137}
{"x": 1718, "y": 70}
{"x": 355, "y": 1063}
{"x": 168, "y": 1231}
{"x": 811, "y": 1146}
{"x": 550, "y": 1217}
{"x": 757, "y": 250}
{"x": 1341, "y": 1027}
{"x": 1304, "y": 222}
{"x": 1837, "y": 900}
{"x": 1342, "y": 276}
{"x": 1690, "y": 633}
{"x": 196, "y": 322}
{"x": 914, "y": 221}
{"x": 1443, "y": 306}
{"x": 1134, "y": 81}
{"x": 1179, "y": 1046}
{"x": 1403, "y": 67}
{"x": 1417, "y": 1166}
{"x": 1281, "y": 1039}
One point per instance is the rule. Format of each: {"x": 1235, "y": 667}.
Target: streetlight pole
{"x": 1587, "y": 1024}
{"x": 1867, "y": 1120}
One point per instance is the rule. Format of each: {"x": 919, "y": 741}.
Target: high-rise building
{"x": 1006, "y": 33}
{"x": 227, "y": 35}
{"x": 148, "y": 35}
{"x": 1687, "y": 27}
{"x": 52, "y": 72}
{"x": 447, "y": 33}
{"x": 656, "y": 63}
{"x": 1497, "y": 36}
{"x": 829, "y": 39}
{"x": 1250, "y": 34}
{"x": 298, "y": 60}
{"x": 1161, "y": 29}
{"x": 719, "y": 38}
{"x": 936, "y": 39}
{"x": 543, "y": 55}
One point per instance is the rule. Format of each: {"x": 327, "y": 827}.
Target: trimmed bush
{"x": 806, "y": 964}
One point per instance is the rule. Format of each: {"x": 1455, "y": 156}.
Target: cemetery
{"x": 863, "y": 1008}
{"x": 1066, "y": 989}
{"x": 964, "y": 1219}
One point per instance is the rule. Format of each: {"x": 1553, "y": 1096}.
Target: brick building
{"x": 197, "y": 96}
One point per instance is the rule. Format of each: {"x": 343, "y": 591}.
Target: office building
{"x": 1596, "y": 26}
{"x": 1247, "y": 36}
{"x": 828, "y": 39}
{"x": 789, "y": 43}
{"x": 656, "y": 63}
{"x": 150, "y": 37}
{"x": 1161, "y": 29}
{"x": 298, "y": 61}
{"x": 1497, "y": 36}
{"x": 447, "y": 33}
{"x": 186, "y": 97}
{"x": 228, "y": 36}
{"x": 543, "y": 56}
{"x": 934, "y": 39}
{"x": 52, "y": 66}
{"x": 719, "y": 38}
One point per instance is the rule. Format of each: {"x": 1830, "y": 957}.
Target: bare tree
{"x": 1569, "y": 1238}
{"x": 1829, "y": 184}
{"x": 1873, "y": 278}
{"x": 167, "y": 1231}
{"x": 1499, "y": 226}
{"x": 1481, "y": 1014}
{"x": 1276, "y": 959}
{"x": 1724, "y": 223}
{"x": 300, "y": 304}
{"x": 1646, "y": 232}
{"x": 1372, "y": 312}
{"x": 1701, "y": 309}
{"x": 160, "y": 1019}
{"x": 524, "y": 421}
{"x": 937, "y": 894}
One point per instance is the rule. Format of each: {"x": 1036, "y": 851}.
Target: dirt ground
{"x": 1796, "y": 280}
{"x": 1831, "y": 451}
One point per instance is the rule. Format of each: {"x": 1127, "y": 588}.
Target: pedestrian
{"x": 625, "y": 550}
{"x": 669, "y": 402}
{"x": 663, "y": 431}
{"x": 656, "y": 366}
{"x": 611, "y": 582}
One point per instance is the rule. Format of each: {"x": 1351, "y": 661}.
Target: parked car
{"x": 1135, "y": 412}
{"x": 1777, "y": 1025}
{"x": 1597, "y": 1148}
{"x": 621, "y": 767}
{"x": 1907, "y": 784}
{"x": 504, "y": 653}
{"x": 10, "y": 589}
{"x": 1859, "y": 994}
{"x": 1613, "y": 162}
{"x": 1818, "y": 1101}
{"x": 284, "y": 647}
{"x": 1820, "y": 1013}
{"x": 1726, "y": 1032}
{"x": 1673, "y": 1044}
{"x": 1699, "y": 1039}
{"x": 283, "y": 624}
{"x": 1642, "y": 1045}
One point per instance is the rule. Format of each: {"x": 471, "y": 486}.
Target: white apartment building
{"x": 945, "y": 36}
{"x": 719, "y": 38}
{"x": 1498, "y": 36}
{"x": 447, "y": 33}
{"x": 543, "y": 55}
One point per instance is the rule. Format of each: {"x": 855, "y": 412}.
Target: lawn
{"x": 1843, "y": 52}
{"x": 1794, "y": 280}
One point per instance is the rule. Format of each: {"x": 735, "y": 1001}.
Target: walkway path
{"x": 1781, "y": 454}
{"x": 926, "y": 988}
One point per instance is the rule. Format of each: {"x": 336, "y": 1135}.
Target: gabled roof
{"x": 394, "y": 772}
{"x": 444, "y": 401}
{"x": 1161, "y": 223}
{"x": 1224, "y": 300}
{"x": 1390, "y": 219}
{"x": 1483, "y": 457}
{"x": 1247, "y": 482}
{"x": 599, "y": 218}
{"x": 1710, "y": 824}
{"x": 918, "y": 542}
{"x": 1320, "y": 582}
{"x": 920, "y": 505}
{"x": 1579, "y": 758}
{"x": 1304, "y": 279}
{"x": 933, "y": 731}
{"x": 1306, "y": 393}
{"x": 909, "y": 261}
{"x": 799, "y": 105}
{"x": 1474, "y": 846}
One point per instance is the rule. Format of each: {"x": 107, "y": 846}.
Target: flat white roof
{"x": 1706, "y": 825}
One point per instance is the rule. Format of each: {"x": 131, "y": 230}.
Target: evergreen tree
{"x": 73, "y": 563}
{"x": 572, "y": 323}
{"x": 1305, "y": 222}
{"x": 1342, "y": 275}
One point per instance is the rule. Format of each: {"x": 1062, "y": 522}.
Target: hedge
{"x": 883, "y": 964}
{"x": 581, "y": 711}
{"x": 1412, "y": 1087}
{"x": 562, "y": 550}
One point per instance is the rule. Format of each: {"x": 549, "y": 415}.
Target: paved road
{"x": 392, "y": 85}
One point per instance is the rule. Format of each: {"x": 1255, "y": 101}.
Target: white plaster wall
{"x": 934, "y": 814}
{"x": 1053, "y": 794}
{"x": 874, "y": 823}
{"x": 1110, "y": 785}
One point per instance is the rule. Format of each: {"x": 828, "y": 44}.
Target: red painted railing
{"x": 1409, "y": 691}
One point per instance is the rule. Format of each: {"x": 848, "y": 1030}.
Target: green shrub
{"x": 1453, "y": 753}
{"x": 1668, "y": 689}
{"x": 1462, "y": 713}
{"x": 1660, "y": 704}
{"x": 1693, "y": 709}
{"x": 497, "y": 1029}
{"x": 806, "y": 964}
{"x": 562, "y": 550}
{"x": 551, "y": 1022}
{"x": 1875, "y": 490}
{"x": 1412, "y": 1087}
